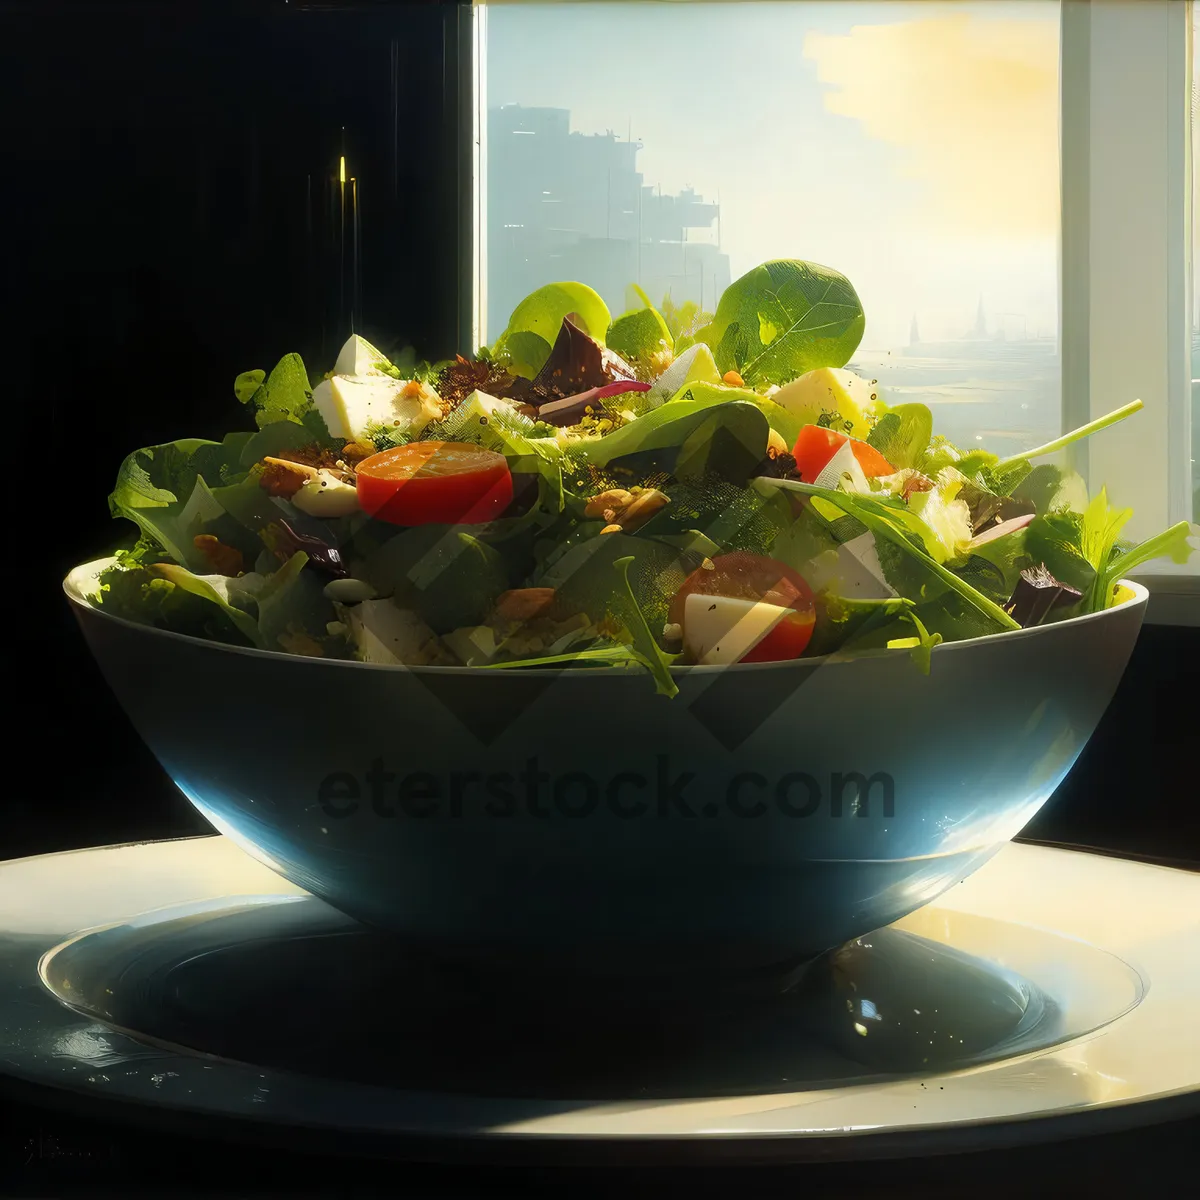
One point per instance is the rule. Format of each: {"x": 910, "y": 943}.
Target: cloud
{"x": 970, "y": 103}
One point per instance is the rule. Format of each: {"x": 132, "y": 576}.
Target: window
{"x": 913, "y": 147}
{"x": 1194, "y": 200}
{"x": 1007, "y": 185}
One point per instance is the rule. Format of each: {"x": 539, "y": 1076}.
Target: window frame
{"x": 1125, "y": 87}
{"x": 1114, "y": 104}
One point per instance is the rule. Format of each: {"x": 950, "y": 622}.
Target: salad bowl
{"x": 626, "y": 651}
{"x": 573, "y": 824}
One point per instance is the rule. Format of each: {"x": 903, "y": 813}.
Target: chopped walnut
{"x": 523, "y": 604}
{"x": 224, "y": 560}
{"x": 296, "y": 641}
{"x": 281, "y": 477}
{"x": 311, "y": 456}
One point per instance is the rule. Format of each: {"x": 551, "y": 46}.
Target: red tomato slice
{"x": 741, "y": 575}
{"x": 787, "y": 640}
{"x": 816, "y": 445}
{"x": 434, "y": 483}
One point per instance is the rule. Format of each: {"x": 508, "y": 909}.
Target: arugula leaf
{"x": 920, "y": 646}
{"x": 1076, "y": 435}
{"x": 840, "y": 618}
{"x": 645, "y": 646}
{"x": 1099, "y": 530}
{"x": 785, "y": 422}
{"x": 615, "y": 654}
{"x": 784, "y": 318}
{"x": 581, "y": 572}
{"x": 1174, "y": 543}
{"x": 994, "y": 567}
{"x": 726, "y": 516}
{"x": 893, "y": 522}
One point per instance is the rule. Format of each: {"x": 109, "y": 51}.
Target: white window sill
{"x": 1174, "y": 593}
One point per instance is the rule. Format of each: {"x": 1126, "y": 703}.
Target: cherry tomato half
{"x": 816, "y": 445}
{"x": 434, "y": 483}
{"x": 741, "y": 575}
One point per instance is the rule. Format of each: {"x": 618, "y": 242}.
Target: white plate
{"x": 1114, "y": 945}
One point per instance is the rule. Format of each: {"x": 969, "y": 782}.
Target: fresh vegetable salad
{"x": 666, "y": 488}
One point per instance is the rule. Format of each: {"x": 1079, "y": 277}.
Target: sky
{"x": 912, "y": 146}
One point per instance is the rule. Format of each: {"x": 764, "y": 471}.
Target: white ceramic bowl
{"x": 576, "y": 823}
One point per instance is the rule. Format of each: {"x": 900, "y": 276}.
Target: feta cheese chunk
{"x": 854, "y": 571}
{"x": 325, "y": 494}
{"x": 350, "y": 404}
{"x": 383, "y": 633}
{"x": 358, "y": 357}
{"x": 719, "y": 630}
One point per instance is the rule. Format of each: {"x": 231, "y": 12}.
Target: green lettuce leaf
{"x": 216, "y": 590}
{"x": 246, "y": 385}
{"x": 160, "y": 491}
{"x": 536, "y": 321}
{"x": 640, "y": 334}
{"x": 684, "y": 322}
{"x": 284, "y": 395}
{"x": 902, "y": 434}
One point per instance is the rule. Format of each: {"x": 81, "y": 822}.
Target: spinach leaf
{"x": 449, "y": 578}
{"x": 284, "y": 395}
{"x": 1055, "y": 539}
{"x": 668, "y": 427}
{"x": 784, "y": 318}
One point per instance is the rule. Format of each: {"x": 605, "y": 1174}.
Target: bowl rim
{"x": 73, "y": 588}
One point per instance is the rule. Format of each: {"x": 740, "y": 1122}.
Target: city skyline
{"x": 621, "y": 237}
{"x": 912, "y": 147}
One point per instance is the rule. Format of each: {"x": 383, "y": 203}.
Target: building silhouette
{"x": 573, "y": 206}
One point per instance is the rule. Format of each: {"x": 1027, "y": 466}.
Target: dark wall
{"x": 165, "y": 173}
{"x": 171, "y": 218}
